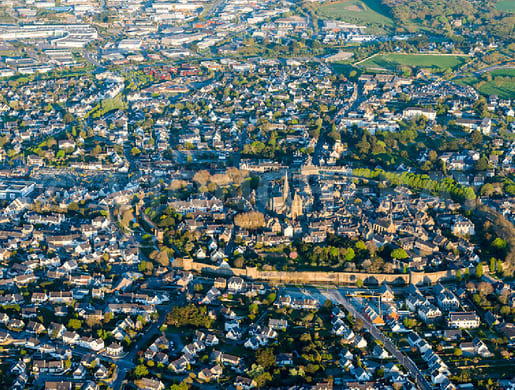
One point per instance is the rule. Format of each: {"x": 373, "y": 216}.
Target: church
{"x": 283, "y": 204}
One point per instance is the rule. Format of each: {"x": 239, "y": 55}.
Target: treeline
{"x": 419, "y": 182}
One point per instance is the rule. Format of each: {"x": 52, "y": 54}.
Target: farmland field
{"x": 435, "y": 62}
{"x": 365, "y": 12}
{"x": 502, "y": 83}
{"x": 506, "y": 5}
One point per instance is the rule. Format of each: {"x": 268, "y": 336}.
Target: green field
{"x": 502, "y": 83}
{"x": 435, "y": 62}
{"x": 364, "y": 12}
{"x": 506, "y": 5}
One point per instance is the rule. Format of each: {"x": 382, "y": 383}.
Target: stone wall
{"x": 304, "y": 277}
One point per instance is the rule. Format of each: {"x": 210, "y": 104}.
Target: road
{"x": 218, "y": 4}
{"x": 126, "y": 364}
{"x": 335, "y": 296}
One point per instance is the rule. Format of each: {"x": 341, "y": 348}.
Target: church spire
{"x": 286, "y": 188}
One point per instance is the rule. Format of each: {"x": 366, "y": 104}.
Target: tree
{"x": 271, "y": 298}
{"x": 68, "y": 118}
{"x": 140, "y": 371}
{"x": 492, "y": 264}
{"x": 476, "y": 137}
{"x": 252, "y": 220}
{"x": 262, "y": 379}
{"x": 481, "y": 164}
{"x": 479, "y": 270}
{"x": 359, "y": 283}
{"x": 253, "y": 309}
{"x": 485, "y": 289}
{"x": 265, "y": 358}
{"x": 190, "y": 315}
{"x": 135, "y": 151}
{"x": 399, "y": 254}
{"x": 487, "y": 190}
{"x": 74, "y": 324}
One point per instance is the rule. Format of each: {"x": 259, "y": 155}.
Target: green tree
{"x": 74, "y": 324}
{"x": 68, "y": 118}
{"x": 140, "y": 371}
{"x": 135, "y": 151}
{"x": 492, "y": 264}
{"x": 399, "y": 254}
{"x": 481, "y": 164}
{"x": 479, "y": 270}
{"x": 265, "y": 358}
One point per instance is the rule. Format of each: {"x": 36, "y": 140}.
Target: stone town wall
{"x": 304, "y": 277}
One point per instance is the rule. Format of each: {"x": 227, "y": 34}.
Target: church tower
{"x": 286, "y": 189}
{"x": 296, "y": 206}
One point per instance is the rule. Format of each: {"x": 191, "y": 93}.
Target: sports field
{"x": 502, "y": 83}
{"x": 506, "y": 5}
{"x": 363, "y": 12}
{"x": 435, "y": 62}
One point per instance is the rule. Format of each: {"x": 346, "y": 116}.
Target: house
{"x": 386, "y": 293}
{"x": 361, "y": 374}
{"x": 452, "y": 334}
{"x": 244, "y": 383}
{"x": 114, "y": 349}
{"x": 46, "y": 366}
{"x": 149, "y": 384}
{"x": 284, "y": 359}
{"x": 220, "y": 283}
{"x": 360, "y": 342}
{"x": 62, "y": 385}
{"x": 373, "y": 316}
{"x": 429, "y": 313}
{"x": 205, "y": 375}
{"x": 463, "y": 227}
{"x": 277, "y": 323}
{"x": 233, "y": 334}
{"x": 480, "y": 348}
{"x": 252, "y": 343}
{"x": 447, "y": 301}
{"x": 179, "y": 365}
{"x": 464, "y": 320}
{"x": 412, "y": 112}
{"x": 380, "y": 352}
{"x": 70, "y": 337}
{"x": 35, "y": 327}
{"x": 235, "y": 284}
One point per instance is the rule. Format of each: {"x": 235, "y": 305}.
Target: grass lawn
{"x": 502, "y": 84}
{"x": 363, "y": 12}
{"x": 506, "y": 5}
{"x": 431, "y": 61}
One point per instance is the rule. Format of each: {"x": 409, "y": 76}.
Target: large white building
{"x": 412, "y": 112}
{"x": 465, "y": 320}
